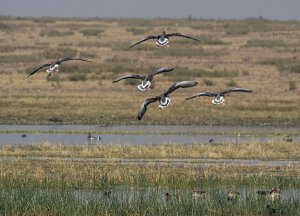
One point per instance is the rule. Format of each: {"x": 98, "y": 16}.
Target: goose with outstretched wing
{"x": 219, "y": 97}
{"x": 164, "y": 99}
{"x": 54, "y": 66}
{"x": 162, "y": 39}
{"x": 145, "y": 85}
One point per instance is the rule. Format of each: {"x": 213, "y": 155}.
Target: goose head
{"x": 164, "y": 102}
{"x": 219, "y": 99}
{"x": 145, "y": 85}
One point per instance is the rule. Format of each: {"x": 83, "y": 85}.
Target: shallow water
{"x": 141, "y": 135}
{"x": 133, "y": 139}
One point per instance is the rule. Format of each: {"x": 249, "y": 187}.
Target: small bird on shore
{"x": 232, "y": 195}
{"x": 198, "y": 193}
{"x": 162, "y": 39}
{"x": 288, "y": 139}
{"x": 145, "y": 85}
{"x": 164, "y": 99}
{"x": 219, "y": 97}
{"x": 168, "y": 196}
{"x": 107, "y": 193}
{"x": 54, "y": 66}
{"x": 90, "y": 137}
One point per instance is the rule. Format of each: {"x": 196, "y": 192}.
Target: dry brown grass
{"x": 96, "y": 100}
{"x": 252, "y": 150}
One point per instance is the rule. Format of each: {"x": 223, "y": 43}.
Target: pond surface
{"x": 141, "y": 135}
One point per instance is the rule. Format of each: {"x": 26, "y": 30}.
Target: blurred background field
{"x": 257, "y": 54}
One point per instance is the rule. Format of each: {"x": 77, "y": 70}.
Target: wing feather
{"x": 130, "y": 76}
{"x": 37, "y": 69}
{"x": 71, "y": 59}
{"x": 144, "y": 39}
{"x": 143, "y": 108}
{"x": 209, "y": 94}
{"x": 180, "y": 35}
{"x": 162, "y": 70}
{"x": 182, "y": 84}
{"x": 235, "y": 90}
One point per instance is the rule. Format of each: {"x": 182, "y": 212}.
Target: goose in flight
{"x": 162, "y": 39}
{"x": 164, "y": 99}
{"x": 219, "y": 97}
{"x": 54, "y": 66}
{"x": 145, "y": 85}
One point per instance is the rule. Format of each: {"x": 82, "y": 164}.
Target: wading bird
{"x": 145, "y": 85}
{"x": 162, "y": 39}
{"x": 54, "y": 66}
{"x": 219, "y": 97}
{"x": 273, "y": 194}
{"x": 90, "y": 137}
{"x": 164, "y": 99}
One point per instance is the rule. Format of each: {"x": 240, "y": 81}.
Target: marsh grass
{"x": 34, "y": 202}
{"x": 266, "y": 43}
{"x": 202, "y": 72}
{"x": 284, "y": 65}
{"x": 208, "y": 82}
{"x": 253, "y": 150}
{"x": 92, "y": 32}
{"x": 292, "y": 85}
{"x": 139, "y": 30}
{"x": 183, "y": 52}
{"x": 11, "y": 58}
{"x": 55, "y": 33}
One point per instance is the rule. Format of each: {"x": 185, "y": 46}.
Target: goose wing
{"x": 143, "y": 108}
{"x": 37, "y": 69}
{"x": 235, "y": 90}
{"x": 209, "y": 94}
{"x": 71, "y": 59}
{"x": 144, "y": 39}
{"x": 182, "y": 84}
{"x": 180, "y": 35}
{"x": 162, "y": 70}
{"x": 133, "y": 76}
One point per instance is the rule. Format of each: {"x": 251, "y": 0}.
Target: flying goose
{"x": 162, "y": 39}
{"x": 145, "y": 85}
{"x": 164, "y": 99}
{"x": 219, "y": 97}
{"x": 54, "y": 66}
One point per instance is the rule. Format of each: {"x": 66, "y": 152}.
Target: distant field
{"x": 257, "y": 54}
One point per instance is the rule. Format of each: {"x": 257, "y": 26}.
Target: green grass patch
{"x": 187, "y": 72}
{"x": 91, "y": 32}
{"x": 266, "y": 43}
{"x": 139, "y": 30}
{"x": 77, "y": 77}
{"x": 55, "y": 33}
